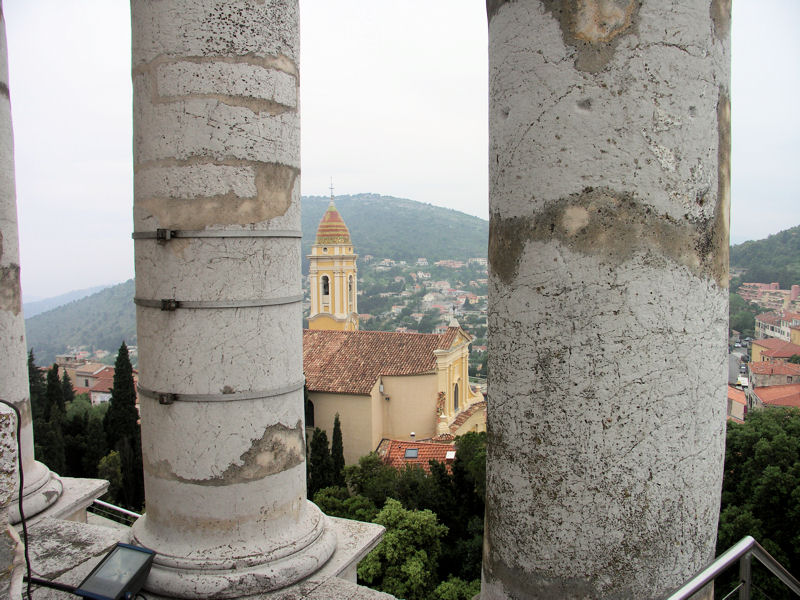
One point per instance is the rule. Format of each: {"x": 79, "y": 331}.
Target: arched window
{"x": 326, "y": 286}
{"x": 455, "y": 397}
{"x": 309, "y": 413}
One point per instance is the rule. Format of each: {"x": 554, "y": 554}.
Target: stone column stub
{"x": 217, "y": 147}
{"x": 608, "y": 248}
{"x": 42, "y": 487}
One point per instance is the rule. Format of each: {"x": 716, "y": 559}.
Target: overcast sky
{"x": 393, "y": 102}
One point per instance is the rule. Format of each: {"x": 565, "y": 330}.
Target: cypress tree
{"x": 54, "y": 394}
{"x": 337, "y": 453}
{"x": 122, "y": 430}
{"x": 319, "y": 466}
{"x": 36, "y": 388}
{"x": 66, "y": 388}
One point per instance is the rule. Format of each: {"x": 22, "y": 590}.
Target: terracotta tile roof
{"x": 736, "y": 395}
{"x": 771, "y": 318}
{"x": 350, "y": 362}
{"x": 466, "y": 414}
{"x": 395, "y": 454}
{"x": 777, "y": 348}
{"x": 105, "y": 380}
{"x": 90, "y": 368}
{"x": 773, "y": 368}
{"x": 779, "y": 395}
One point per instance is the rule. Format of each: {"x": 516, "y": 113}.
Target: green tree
{"x": 372, "y": 479}
{"x": 337, "y": 452}
{"x": 36, "y": 388}
{"x": 795, "y": 358}
{"x": 761, "y": 488}
{"x": 54, "y": 393}
{"x": 96, "y": 447}
{"x": 110, "y": 468}
{"x": 337, "y": 502}
{"x": 66, "y": 388}
{"x": 122, "y": 431}
{"x": 405, "y": 562}
{"x": 457, "y": 589}
{"x": 319, "y": 467}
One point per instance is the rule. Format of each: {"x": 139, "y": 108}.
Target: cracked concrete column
{"x": 609, "y": 202}
{"x": 42, "y": 488}
{"x": 217, "y": 165}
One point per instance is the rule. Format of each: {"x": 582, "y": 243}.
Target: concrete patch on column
{"x": 593, "y": 27}
{"x": 9, "y": 289}
{"x": 201, "y": 194}
{"x": 613, "y": 226}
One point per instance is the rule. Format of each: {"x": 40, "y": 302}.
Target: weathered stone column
{"x": 217, "y": 165}
{"x": 609, "y": 202}
{"x": 42, "y": 488}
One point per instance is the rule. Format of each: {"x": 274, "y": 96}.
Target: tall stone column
{"x": 608, "y": 245}
{"x": 42, "y": 488}
{"x": 217, "y": 171}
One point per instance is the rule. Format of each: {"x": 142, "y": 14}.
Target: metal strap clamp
{"x": 170, "y": 304}
{"x": 170, "y": 398}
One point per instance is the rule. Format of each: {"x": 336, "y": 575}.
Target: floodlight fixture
{"x": 119, "y": 576}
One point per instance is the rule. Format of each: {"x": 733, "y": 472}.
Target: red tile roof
{"x": 466, "y": 414}
{"x": 773, "y": 368}
{"x": 779, "y": 395}
{"x": 350, "y": 362}
{"x": 777, "y": 348}
{"x": 771, "y": 318}
{"x": 395, "y": 453}
{"x": 736, "y": 395}
{"x": 332, "y": 229}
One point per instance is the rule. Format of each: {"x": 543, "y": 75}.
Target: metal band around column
{"x": 164, "y": 235}
{"x": 169, "y": 398}
{"x": 170, "y": 304}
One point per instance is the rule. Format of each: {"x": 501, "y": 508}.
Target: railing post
{"x": 745, "y": 576}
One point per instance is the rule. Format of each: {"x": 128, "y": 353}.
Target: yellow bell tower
{"x": 333, "y": 275}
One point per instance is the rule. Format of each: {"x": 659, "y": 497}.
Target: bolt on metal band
{"x": 170, "y": 304}
{"x": 169, "y": 397}
{"x": 164, "y": 235}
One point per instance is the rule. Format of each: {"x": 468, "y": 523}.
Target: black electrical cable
{"x": 21, "y": 488}
{"x": 51, "y": 584}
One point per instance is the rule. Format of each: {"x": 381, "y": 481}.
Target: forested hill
{"x": 388, "y": 227}
{"x": 100, "y": 321}
{"x": 383, "y": 226}
{"x": 776, "y": 258}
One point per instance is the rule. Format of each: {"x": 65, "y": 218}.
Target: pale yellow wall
{"x": 755, "y": 352}
{"x": 794, "y": 335}
{"x": 355, "y": 414}
{"x": 412, "y": 406}
{"x": 477, "y": 422}
{"x": 338, "y": 263}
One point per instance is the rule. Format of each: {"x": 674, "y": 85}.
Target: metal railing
{"x": 113, "y": 512}
{"x": 743, "y": 551}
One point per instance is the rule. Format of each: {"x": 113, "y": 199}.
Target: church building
{"x": 383, "y": 385}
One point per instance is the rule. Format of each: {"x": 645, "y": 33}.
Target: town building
{"x": 770, "y": 295}
{"x": 768, "y": 373}
{"x": 772, "y": 350}
{"x": 783, "y": 325}
{"x": 737, "y": 405}
{"x": 400, "y": 454}
{"x": 394, "y": 385}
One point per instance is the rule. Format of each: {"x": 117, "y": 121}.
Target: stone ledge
{"x": 77, "y": 494}
{"x": 67, "y": 551}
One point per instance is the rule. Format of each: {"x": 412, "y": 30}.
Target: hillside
{"x": 379, "y": 225}
{"x": 100, "y": 321}
{"x": 400, "y": 229}
{"x": 31, "y": 309}
{"x": 776, "y": 258}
